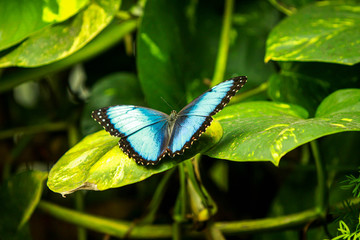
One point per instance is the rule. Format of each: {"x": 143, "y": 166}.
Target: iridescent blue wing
{"x": 194, "y": 118}
{"x": 143, "y": 132}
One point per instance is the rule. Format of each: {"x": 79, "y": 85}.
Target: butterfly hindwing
{"x": 143, "y": 131}
{"x": 194, "y": 118}
{"x": 186, "y": 130}
{"x": 148, "y": 145}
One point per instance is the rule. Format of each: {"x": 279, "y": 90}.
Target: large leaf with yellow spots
{"x": 97, "y": 163}
{"x": 266, "y": 131}
{"x": 252, "y": 131}
{"x": 56, "y": 42}
{"x": 325, "y": 31}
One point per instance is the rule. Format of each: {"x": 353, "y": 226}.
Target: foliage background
{"x": 62, "y": 59}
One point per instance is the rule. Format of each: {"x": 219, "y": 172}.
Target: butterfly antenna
{"x": 171, "y": 107}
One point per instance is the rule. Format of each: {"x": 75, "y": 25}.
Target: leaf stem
{"x": 224, "y": 43}
{"x": 321, "y": 198}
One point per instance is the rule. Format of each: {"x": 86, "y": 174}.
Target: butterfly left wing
{"x": 194, "y": 118}
{"x": 143, "y": 132}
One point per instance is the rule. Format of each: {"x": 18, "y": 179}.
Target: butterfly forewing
{"x": 214, "y": 99}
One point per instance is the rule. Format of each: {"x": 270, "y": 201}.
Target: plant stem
{"x": 79, "y": 206}
{"x": 224, "y": 43}
{"x": 192, "y": 177}
{"x": 45, "y": 127}
{"x": 111, "y": 227}
{"x": 157, "y": 198}
{"x": 149, "y": 231}
{"x": 212, "y": 232}
{"x": 244, "y": 95}
{"x": 73, "y": 138}
{"x": 268, "y": 224}
{"x": 180, "y": 216}
{"x": 286, "y": 10}
{"x": 321, "y": 198}
{"x": 177, "y": 230}
{"x": 202, "y": 205}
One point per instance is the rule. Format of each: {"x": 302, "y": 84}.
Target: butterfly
{"x": 148, "y": 135}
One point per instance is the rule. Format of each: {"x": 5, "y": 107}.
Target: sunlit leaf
{"x": 97, "y": 163}
{"x": 59, "y": 41}
{"x": 19, "y": 19}
{"x": 110, "y": 36}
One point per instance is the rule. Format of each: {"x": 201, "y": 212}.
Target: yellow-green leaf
{"x": 19, "y": 19}
{"x": 97, "y": 163}
{"x": 59, "y": 41}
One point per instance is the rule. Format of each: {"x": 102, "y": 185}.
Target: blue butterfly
{"x": 147, "y": 135}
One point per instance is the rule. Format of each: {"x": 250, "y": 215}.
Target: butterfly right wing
{"x": 143, "y": 131}
{"x": 195, "y": 117}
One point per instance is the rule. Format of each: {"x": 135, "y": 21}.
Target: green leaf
{"x": 251, "y": 25}
{"x": 19, "y": 197}
{"x": 19, "y": 19}
{"x": 342, "y": 101}
{"x": 325, "y": 31}
{"x": 266, "y": 131}
{"x": 62, "y": 40}
{"x": 114, "y": 89}
{"x": 160, "y": 47}
{"x": 171, "y": 40}
{"x": 97, "y": 163}
{"x": 174, "y": 59}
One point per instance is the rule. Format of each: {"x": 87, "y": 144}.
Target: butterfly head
{"x": 173, "y": 115}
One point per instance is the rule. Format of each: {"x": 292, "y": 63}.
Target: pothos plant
{"x": 308, "y": 89}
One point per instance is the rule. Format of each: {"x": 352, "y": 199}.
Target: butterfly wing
{"x": 194, "y": 118}
{"x": 143, "y": 132}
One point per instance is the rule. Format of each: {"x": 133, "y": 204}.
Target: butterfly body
{"x": 147, "y": 135}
